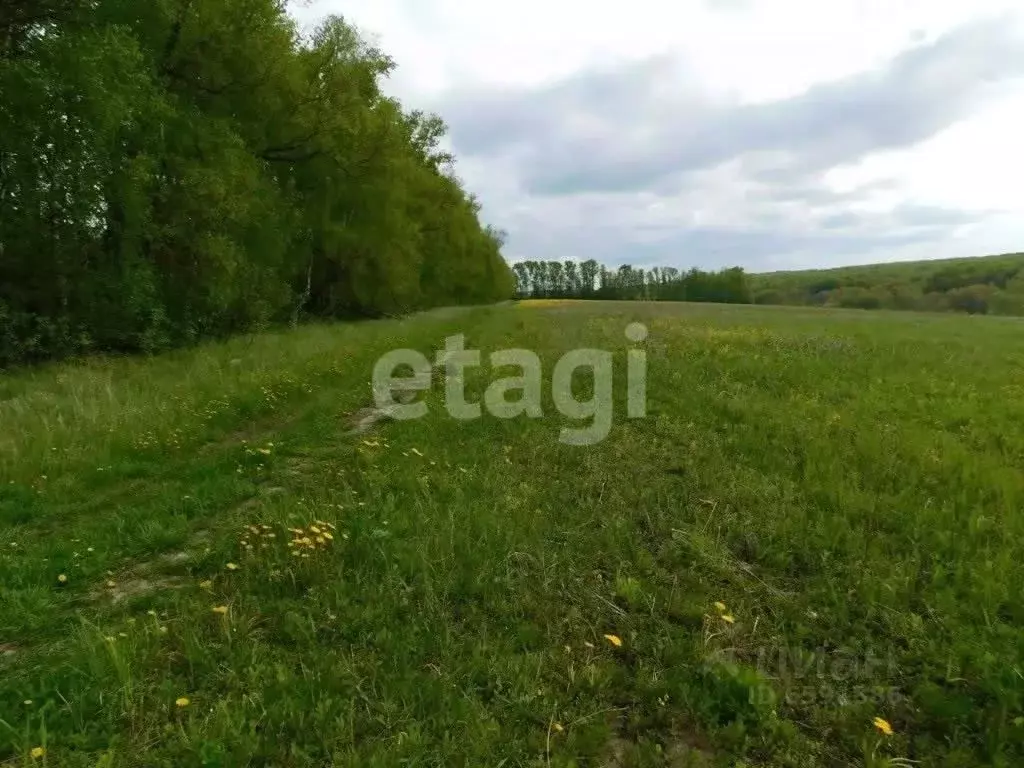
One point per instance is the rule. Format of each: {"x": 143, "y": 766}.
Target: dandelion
{"x": 728, "y": 618}
{"x": 558, "y": 727}
{"x": 182, "y": 702}
{"x": 232, "y": 566}
{"x": 220, "y": 609}
{"x": 62, "y": 579}
{"x": 37, "y": 752}
{"x": 882, "y": 725}
{"x": 720, "y": 607}
{"x": 328, "y": 535}
{"x": 314, "y": 529}
{"x": 614, "y": 640}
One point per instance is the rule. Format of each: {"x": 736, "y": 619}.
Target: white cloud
{"x": 728, "y": 52}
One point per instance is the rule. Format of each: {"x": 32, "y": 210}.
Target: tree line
{"x": 982, "y": 285}
{"x": 591, "y": 280}
{"x": 178, "y": 169}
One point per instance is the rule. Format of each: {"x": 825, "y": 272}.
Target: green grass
{"x": 849, "y": 485}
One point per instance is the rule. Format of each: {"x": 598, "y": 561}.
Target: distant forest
{"x": 590, "y": 280}
{"x": 180, "y": 169}
{"x": 984, "y": 285}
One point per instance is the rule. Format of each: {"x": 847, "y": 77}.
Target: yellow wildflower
{"x": 37, "y": 752}
{"x": 720, "y": 607}
{"x": 111, "y": 584}
{"x": 232, "y": 566}
{"x": 882, "y": 725}
{"x": 328, "y": 535}
{"x": 182, "y": 702}
{"x": 221, "y": 609}
{"x": 63, "y": 579}
{"x": 208, "y": 584}
{"x": 558, "y": 727}
{"x": 728, "y": 618}
{"x": 614, "y": 640}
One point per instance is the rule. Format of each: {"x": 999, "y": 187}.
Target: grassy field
{"x": 818, "y": 523}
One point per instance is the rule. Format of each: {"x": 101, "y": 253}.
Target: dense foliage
{"x": 988, "y": 285}
{"x": 176, "y": 169}
{"x": 590, "y": 280}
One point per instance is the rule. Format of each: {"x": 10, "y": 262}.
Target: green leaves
{"x": 177, "y": 169}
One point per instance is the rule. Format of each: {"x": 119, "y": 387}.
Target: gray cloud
{"x": 626, "y": 129}
{"x": 760, "y": 244}
{"x": 636, "y": 164}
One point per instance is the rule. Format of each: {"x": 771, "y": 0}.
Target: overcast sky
{"x": 769, "y": 134}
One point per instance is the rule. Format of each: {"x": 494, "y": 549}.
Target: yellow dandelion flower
{"x": 221, "y": 609}
{"x": 614, "y": 640}
{"x": 720, "y": 607}
{"x": 232, "y": 566}
{"x": 728, "y": 618}
{"x": 882, "y": 725}
{"x": 62, "y": 579}
{"x": 328, "y": 535}
{"x": 314, "y": 529}
{"x": 183, "y": 701}
{"x": 37, "y": 752}
{"x": 321, "y": 540}
{"x": 558, "y": 727}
